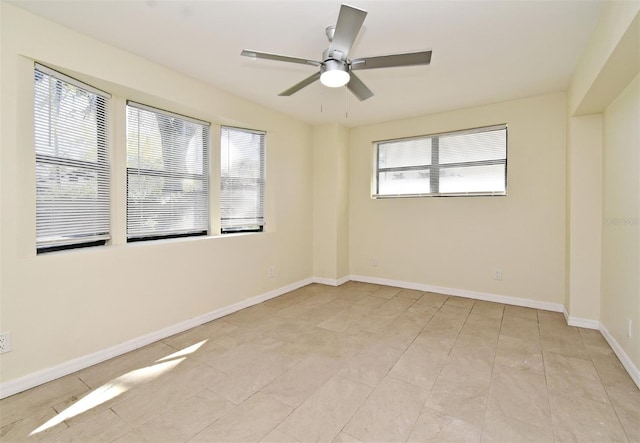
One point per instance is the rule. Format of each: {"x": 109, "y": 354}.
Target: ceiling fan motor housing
{"x": 329, "y": 54}
{"x": 334, "y": 65}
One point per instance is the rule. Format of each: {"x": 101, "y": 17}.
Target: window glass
{"x": 242, "y": 170}
{"x": 470, "y": 162}
{"x": 167, "y": 174}
{"x": 405, "y": 153}
{"x": 72, "y": 169}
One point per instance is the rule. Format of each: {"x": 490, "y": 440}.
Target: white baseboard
{"x": 546, "y": 306}
{"x": 631, "y": 368}
{"x": 586, "y": 323}
{"x": 71, "y": 366}
{"x": 331, "y": 281}
{"x": 32, "y": 380}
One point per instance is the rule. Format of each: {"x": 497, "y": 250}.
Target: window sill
{"x": 459, "y": 194}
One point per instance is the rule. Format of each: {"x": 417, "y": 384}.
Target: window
{"x": 242, "y": 174}
{"x": 471, "y": 162}
{"x": 167, "y": 174}
{"x": 72, "y": 168}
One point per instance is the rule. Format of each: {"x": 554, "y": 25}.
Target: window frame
{"x": 263, "y": 179}
{"x": 205, "y": 176}
{"x": 435, "y": 166}
{"x": 101, "y": 166}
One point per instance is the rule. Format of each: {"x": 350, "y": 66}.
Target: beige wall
{"x": 64, "y": 305}
{"x": 584, "y": 215}
{"x": 621, "y": 211}
{"x": 602, "y": 69}
{"x": 603, "y": 110}
{"x": 457, "y": 242}
{"x": 330, "y": 202}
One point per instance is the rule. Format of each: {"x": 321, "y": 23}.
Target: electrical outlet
{"x": 271, "y": 272}
{"x": 5, "y": 342}
{"x": 497, "y": 274}
{"x": 374, "y": 261}
{"x": 629, "y": 327}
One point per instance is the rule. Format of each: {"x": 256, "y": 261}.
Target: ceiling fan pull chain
{"x": 321, "y": 97}
{"x": 346, "y": 104}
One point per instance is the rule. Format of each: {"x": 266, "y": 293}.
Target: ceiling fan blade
{"x": 295, "y": 88}
{"x": 390, "y": 61}
{"x": 358, "y": 88}
{"x": 278, "y": 57}
{"x": 349, "y": 23}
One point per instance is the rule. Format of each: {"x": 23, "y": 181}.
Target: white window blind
{"x": 470, "y": 162}
{"x": 72, "y": 168}
{"x": 242, "y": 155}
{"x": 167, "y": 174}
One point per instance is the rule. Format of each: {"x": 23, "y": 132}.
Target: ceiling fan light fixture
{"x": 334, "y": 74}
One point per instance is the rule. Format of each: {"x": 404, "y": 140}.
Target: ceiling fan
{"x": 336, "y": 69}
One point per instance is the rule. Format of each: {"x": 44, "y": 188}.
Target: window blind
{"x": 242, "y": 155}
{"x": 469, "y": 162}
{"x": 167, "y": 174}
{"x": 72, "y": 168}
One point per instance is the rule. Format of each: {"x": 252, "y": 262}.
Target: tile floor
{"x": 359, "y": 362}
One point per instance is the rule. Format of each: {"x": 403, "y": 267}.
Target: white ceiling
{"x": 484, "y": 51}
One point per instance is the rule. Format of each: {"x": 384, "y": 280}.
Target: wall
{"x": 603, "y": 110}
{"x": 457, "y": 242}
{"x": 621, "y": 211}
{"x": 584, "y": 215}
{"x": 330, "y": 203}
{"x": 65, "y": 305}
{"x": 602, "y": 69}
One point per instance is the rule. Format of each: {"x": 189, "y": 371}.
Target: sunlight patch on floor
{"x": 120, "y": 385}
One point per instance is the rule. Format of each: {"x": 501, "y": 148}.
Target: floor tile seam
{"x": 579, "y": 393}
{"x": 577, "y": 376}
{"x": 236, "y": 406}
{"x": 38, "y": 411}
{"x": 491, "y": 383}
{"x": 556, "y": 352}
{"x": 591, "y": 355}
{"x": 342, "y": 431}
{"x": 615, "y": 411}
{"x": 521, "y": 317}
{"x": 525, "y": 422}
{"x": 396, "y": 378}
{"x": 454, "y": 343}
{"x": 281, "y": 421}
{"x": 528, "y": 374}
{"x": 85, "y": 383}
{"x": 340, "y": 367}
{"x": 554, "y": 423}
{"x": 133, "y": 427}
{"x": 166, "y": 405}
{"x": 259, "y": 355}
{"x": 280, "y": 430}
{"x": 434, "y": 315}
{"x": 437, "y": 377}
{"x": 77, "y": 418}
{"x": 348, "y": 420}
{"x": 413, "y": 340}
{"x": 415, "y": 422}
{"x": 302, "y": 360}
{"x": 48, "y": 404}
{"x": 112, "y": 402}
{"x": 345, "y": 365}
{"x": 424, "y": 405}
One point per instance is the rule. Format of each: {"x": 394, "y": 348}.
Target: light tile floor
{"x": 359, "y": 362}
